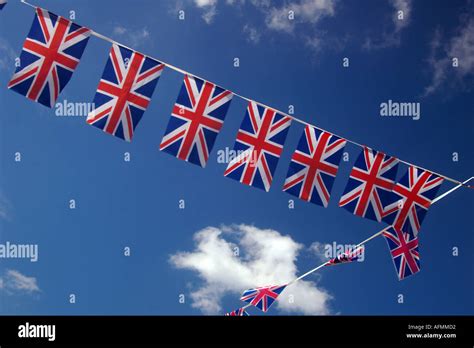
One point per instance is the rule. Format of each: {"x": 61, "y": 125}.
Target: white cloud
{"x": 306, "y": 16}
{"x": 261, "y": 3}
{"x": 14, "y": 281}
{"x": 438, "y": 65}
{"x": 392, "y": 37}
{"x": 305, "y": 11}
{"x": 205, "y": 3}
{"x": 405, "y": 6}
{"x": 133, "y": 37}
{"x": 209, "y": 7}
{"x": 209, "y": 14}
{"x": 266, "y": 258}
{"x": 5, "y": 206}
{"x": 460, "y": 46}
{"x": 252, "y": 33}
{"x": 319, "y": 250}
{"x": 7, "y": 56}
{"x": 315, "y": 42}
{"x": 276, "y": 17}
{"x": 235, "y": 2}
{"x": 119, "y": 30}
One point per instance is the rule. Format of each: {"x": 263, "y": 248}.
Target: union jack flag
{"x": 348, "y": 256}
{"x": 259, "y": 145}
{"x": 196, "y": 120}
{"x": 50, "y": 54}
{"x": 124, "y": 91}
{"x": 2, "y": 4}
{"x": 406, "y": 206}
{"x": 237, "y": 313}
{"x": 373, "y": 175}
{"x": 314, "y": 166}
{"x": 262, "y": 297}
{"x": 404, "y": 250}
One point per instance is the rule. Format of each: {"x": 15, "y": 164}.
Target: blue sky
{"x": 135, "y": 203}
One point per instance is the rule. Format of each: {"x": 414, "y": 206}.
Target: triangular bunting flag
{"x": 262, "y": 297}
{"x": 348, "y": 256}
{"x": 237, "y": 313}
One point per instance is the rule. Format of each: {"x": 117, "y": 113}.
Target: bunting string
{"x": 362, "y": 244}
{"x": 296, "y": 119}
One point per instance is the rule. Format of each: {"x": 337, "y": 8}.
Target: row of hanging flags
{"x": 53, "y": 49}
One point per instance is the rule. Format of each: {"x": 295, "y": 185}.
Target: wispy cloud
{"x": 305, "y": 11}
{"x": 404, "y": 6}
{"x": 266, "y": 258}
{"x": 392, "y": 35}
{"x": 253, "y": 35}
{"x": 133, "y": 37}
{"x": 298, "y": 18}
{"x": 14, "y": 282}
{"x": 7, "y": 56}
{"x": 209, "y": 8}
{"x": 460, "y": 46}
{"x": 5, "y": 207}
{"x": 318, "y": 249}
{"x": 302, "y": 20}
{"x": 276, "y": 18}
